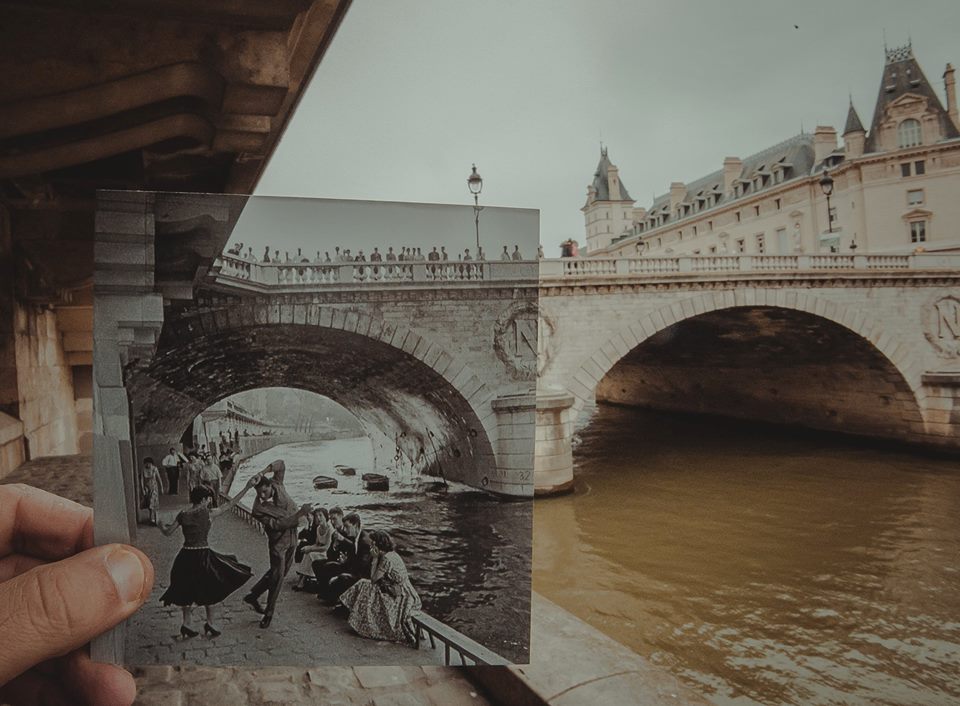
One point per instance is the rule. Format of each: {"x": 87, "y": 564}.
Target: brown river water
{"x": 762, "y": 565}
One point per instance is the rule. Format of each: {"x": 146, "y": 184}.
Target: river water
{"x": 759, "y": 565}
{"x": 468, "y": 553}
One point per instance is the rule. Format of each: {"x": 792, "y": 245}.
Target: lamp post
{"x": 475, "y": 184}
{"x": 826, "y": 185}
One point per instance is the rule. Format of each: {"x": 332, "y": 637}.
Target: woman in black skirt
{"x": 201, "y": 576}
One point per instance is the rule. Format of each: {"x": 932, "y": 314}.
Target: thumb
{"x": 55, "y": 608}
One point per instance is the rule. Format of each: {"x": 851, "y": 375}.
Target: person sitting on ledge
{"x": 352, "y": 564}
{"x": 382, "y": 607}
{"x": 314, "y": 542}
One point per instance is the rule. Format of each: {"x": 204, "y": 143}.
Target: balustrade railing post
{"x": 859, "y": 262}
{"x": 419, "y": 272}
{"x": 622, "y": 266}
{"x": 684, "y": 264}
{"x": 746, "y": 263}
{"x": 270, "y": 275}
{"x": 804, "y": 262}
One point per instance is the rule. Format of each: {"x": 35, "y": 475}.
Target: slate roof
{"x": 853, "y": 121}
{"x": 901, "y": 75}
{"x": 795, "y": 154}
{"x": 600, "y": 180}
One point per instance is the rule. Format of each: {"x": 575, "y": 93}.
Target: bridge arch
{"x": 390, "y": 377}
{"x": 889, "y": 358}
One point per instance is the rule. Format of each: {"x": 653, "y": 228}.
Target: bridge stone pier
{"x": 438, "y": 362}
{"x": 865, "y": 345}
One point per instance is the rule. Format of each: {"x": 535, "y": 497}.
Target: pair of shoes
{"x": 253, "y": 603}
{"x": 187, "y": 632}
{"x": 208, "y": 629}
{"x": 265, "y": 621}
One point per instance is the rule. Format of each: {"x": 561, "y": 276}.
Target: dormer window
{"x": 908, "y": 133}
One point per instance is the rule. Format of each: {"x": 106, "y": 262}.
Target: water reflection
{"x": 762, "y": 566}
{"x": 468, "y": 553}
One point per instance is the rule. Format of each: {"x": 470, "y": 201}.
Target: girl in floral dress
{"x": 382, "y": 607}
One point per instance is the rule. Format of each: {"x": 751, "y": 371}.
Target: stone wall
{"x": 44, "y": 384}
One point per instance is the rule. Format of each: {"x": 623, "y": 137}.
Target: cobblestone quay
{"x": 167, "y": 685}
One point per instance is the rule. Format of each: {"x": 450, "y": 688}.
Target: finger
{"x": 53, "y": 609}
{"x": 34, "y": 689}
{"x": 95, "y": 683}
{"x": 15, "y": 564}
{"x": 26, "y": 526}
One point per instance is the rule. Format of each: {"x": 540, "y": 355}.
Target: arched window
{"x": 908, "y": 133}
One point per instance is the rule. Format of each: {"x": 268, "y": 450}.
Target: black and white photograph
{"x": 331, "y": 412}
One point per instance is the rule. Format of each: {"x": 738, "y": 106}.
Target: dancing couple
{"x": 201, "y": 576}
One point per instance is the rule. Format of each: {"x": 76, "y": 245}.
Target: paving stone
{"x": 407, "y": 699}
{"x": 374, "y": 677}
{"x": 160, "y": 698}
{"x": 438, "y": 674}
{"x": 333, "y": 678}
{"x": 221, "y": 695}
{"x": 455, "y": 693}
{"x": 277, "y": 693}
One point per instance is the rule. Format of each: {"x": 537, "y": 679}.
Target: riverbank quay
{"x": 572, "y": 662}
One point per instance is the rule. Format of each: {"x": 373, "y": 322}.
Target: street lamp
{"x": 475, "y": 184}
{"x": 826, "y": 185}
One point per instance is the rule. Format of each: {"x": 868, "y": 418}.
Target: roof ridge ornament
{"x": 902, "y": 53}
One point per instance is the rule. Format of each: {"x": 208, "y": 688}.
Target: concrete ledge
{"x": 573, "y": 664}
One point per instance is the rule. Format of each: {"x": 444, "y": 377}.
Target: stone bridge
{"x": 865, "y": 344}
{"x": 440, "y": 360}
{"x": 437, "y": 362}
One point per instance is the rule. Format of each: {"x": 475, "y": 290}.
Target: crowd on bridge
{"x": 353, "y": 570}
{"x": 346, "y": 255}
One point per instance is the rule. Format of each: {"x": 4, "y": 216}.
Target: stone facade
{"x": 894, "y": 188}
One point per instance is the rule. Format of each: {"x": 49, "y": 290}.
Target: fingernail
{"x": 126, "y": 570}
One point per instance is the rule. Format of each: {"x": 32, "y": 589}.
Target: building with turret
{"x": 894, "y": 189}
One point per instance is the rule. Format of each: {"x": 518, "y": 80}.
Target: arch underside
{"x": 768, "y": 364}
{"x": 386, "y": 388}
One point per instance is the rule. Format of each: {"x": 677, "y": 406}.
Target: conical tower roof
{"x": 853, "y": 121}
{"x": 600, "y": 184}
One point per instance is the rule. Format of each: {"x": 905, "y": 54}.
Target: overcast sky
{"x": 411, "y": 92}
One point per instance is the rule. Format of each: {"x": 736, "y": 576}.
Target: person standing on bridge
{"x": 516, "y": 253}
{"x": 266, "y": 254}
{"x": 201, "y": 576}
{"x": 278, "y": 514}
{"x": 505, "y": 255}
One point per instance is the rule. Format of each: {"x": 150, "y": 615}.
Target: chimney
{"x": 678, "y": 192}
{"x": 824, "y": 142}
{"x": 951, "y": 85}
{"x": 732, "y": 168}
{"x": 613, "y": 183}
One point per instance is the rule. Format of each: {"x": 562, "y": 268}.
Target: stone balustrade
{"x": 351, "y": 273}
{"x": 726, "y": 264}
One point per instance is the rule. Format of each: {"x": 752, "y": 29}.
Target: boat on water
{"x": 345, "y": 470}
{"x": 324, "y": 482}
{"x": 375, "y": 481}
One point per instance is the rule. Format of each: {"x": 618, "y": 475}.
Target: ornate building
{"x": 894, "y": 188}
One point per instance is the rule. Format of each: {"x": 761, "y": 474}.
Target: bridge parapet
{"x": 598, "y": 268}
{"x": 320, "y": 274}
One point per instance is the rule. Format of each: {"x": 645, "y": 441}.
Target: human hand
{"x": 254, "y": 479}
{"x": 57, "y": 592}
{"x": 305, "y": 509}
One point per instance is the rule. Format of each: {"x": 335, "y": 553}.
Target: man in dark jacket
{"x": 353, "y": 564}
{"x": 279, "y": 515}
